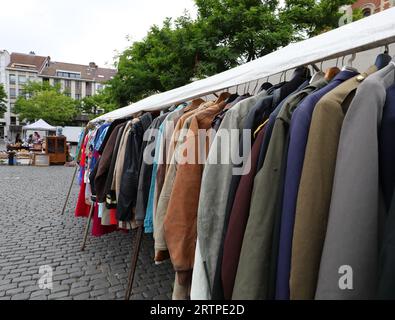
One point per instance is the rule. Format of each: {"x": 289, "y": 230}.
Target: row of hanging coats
{"x": 297, "y": 204}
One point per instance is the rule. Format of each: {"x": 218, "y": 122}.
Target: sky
{"x": 81, "y": 31}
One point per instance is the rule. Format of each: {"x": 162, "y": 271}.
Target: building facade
{"x": 4, "y": 61}
{"x": 370, "y": 7}
{"x": 76, "y": 81}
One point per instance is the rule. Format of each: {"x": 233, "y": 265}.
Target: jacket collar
{"x": 344, "y": 75}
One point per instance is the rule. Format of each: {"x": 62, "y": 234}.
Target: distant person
{"x": 18, "y": 139}
{"x": 6, "y": 141}
{"x": 36, "y": 137}
{"x": 30, "y": 139}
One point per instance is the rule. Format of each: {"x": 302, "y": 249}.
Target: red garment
{"x": 98, "y": 229}
{"x": 113, "y": 217}
{"x": 82, "y": 209}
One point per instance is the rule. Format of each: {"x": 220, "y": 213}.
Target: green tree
{"x": 226, "y": 33}
{"x": 163, "y": 60}
{"x": 43, "y": 101}
{"x": 102, "y": 100}
{"x": 3, "y": 100}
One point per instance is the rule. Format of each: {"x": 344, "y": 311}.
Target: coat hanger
{"x": 256, "y": 86}
{"x": 348, "y": 66}
{"x": 383, "y": 59}
{"x": 222, "y": 97}
{"x": 331, "y": 72}
{"x": 281, "y": 76}
{"x": 318, "y": 75}
{"x": 247, "y": 88}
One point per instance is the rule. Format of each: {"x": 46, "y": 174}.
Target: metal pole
{"x": 132, "y": 271}
{"x": 76, "y": 159}
{"x": 71, "y": 187}
{"x": 88, "y": 223}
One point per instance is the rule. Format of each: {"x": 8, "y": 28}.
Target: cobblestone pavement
{"x": 33, "y": 234}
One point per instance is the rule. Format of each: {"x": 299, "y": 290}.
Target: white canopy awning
{"x": 361, "y": 35}
{"x": 40, "y": 125}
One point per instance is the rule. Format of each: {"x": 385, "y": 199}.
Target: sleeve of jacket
{"x": 180, "y": 220}
{"x": 128, "y": 190}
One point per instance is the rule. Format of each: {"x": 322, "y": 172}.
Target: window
{"x": 77, "y": 96}
{"x": 88, "y": 88}
{"x": 13, "y": 120}
{"x": 366, "y": 12}
{"x": 23, "y": 93}
{"x": 56, "y": 82}
{"x": 71, "y": 75}
{"x": 68, "y": 94}
{"x": 12, "y": 93}
{"x": 368, "y": 9}
{"x": 67, "y": 84}
{"x": 78, "y": 86}
{"x": 12, "y": 79}
{"x": 22, "y": 80}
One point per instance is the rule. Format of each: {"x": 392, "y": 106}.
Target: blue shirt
{"x": 148, "y": 222}
{"x": 299, "y": 131}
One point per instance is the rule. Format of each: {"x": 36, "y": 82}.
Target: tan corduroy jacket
{"x": 181, "y": 215}
{"x": 163, "y": 200}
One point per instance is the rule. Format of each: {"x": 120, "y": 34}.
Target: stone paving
{"x": 33, "y": 234}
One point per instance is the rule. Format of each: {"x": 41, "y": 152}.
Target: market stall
{"x": 33, "y": 146}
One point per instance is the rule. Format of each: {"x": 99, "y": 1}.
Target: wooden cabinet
{"x": 56, "y": 148}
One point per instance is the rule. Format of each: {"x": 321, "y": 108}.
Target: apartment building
{"x": 370, "y": 7}
{"x": 21, "y": 69}
{"x": 4, "y": 61}
{"x": 76, "y": 81}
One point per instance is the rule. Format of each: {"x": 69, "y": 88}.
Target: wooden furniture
{"x": 41, "y": 160}
{"x": 56, "y": 148}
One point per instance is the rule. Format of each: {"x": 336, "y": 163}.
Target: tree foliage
{"x": 3, "y": 101}
{"x": 43, "y": 101}
{"x": 91, "y": 104}
{"x": 226, "y": 33}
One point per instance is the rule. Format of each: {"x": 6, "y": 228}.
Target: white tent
{"x": 371, "y": 32}
{"x": 40, "y": 125}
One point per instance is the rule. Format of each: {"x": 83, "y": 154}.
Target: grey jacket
{"x": 352, "y": 233}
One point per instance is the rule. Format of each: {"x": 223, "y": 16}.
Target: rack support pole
{"x": 132, "y": 271}
{"x": 71, "y": 186}
{"x": 88, "y": 223}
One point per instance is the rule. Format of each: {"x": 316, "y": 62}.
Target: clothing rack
{"x": 376, "y": 31}
{"x": 137, "y": 247}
